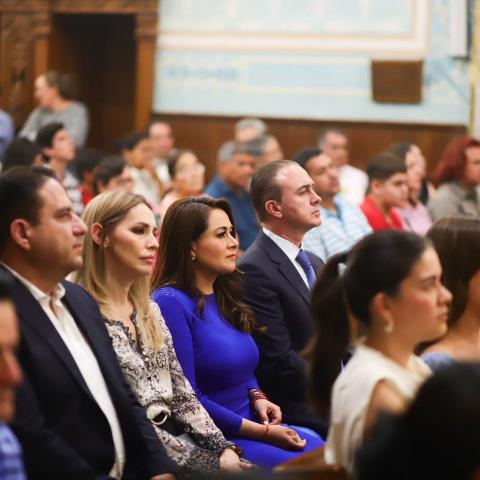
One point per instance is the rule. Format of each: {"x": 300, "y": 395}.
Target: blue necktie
{"x": 305, "y": 262}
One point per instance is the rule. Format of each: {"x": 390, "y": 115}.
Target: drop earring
{"x": 388, "y": 327}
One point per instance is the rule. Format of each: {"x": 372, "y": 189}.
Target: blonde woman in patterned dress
{"x": 119, "y": 251}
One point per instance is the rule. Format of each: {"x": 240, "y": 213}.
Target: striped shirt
{"x": 11, "y": 458}
{"x": 72, "y": 187}
{"x": 339, "y": 230}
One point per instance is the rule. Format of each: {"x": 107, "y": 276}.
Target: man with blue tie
{"x": 278, "y": 277}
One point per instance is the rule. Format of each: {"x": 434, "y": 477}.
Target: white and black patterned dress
{"x": 162, "y": 389}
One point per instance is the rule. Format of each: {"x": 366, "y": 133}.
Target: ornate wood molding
{"x": 146, "y": 26}
{"x": 17, "y": 41}
{"x": 104, "y": 6}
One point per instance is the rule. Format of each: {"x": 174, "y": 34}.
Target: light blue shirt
{"x": 339, "y": 230}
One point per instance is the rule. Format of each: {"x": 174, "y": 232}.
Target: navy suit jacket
{"x": 62, "y": 429}
{"x": 280, "y": 300}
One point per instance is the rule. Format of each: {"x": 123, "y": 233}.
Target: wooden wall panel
{"x": 204, "y": 134}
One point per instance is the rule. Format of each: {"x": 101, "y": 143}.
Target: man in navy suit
{"x": 277, "y": 281}
{"x": 76, "y": 418}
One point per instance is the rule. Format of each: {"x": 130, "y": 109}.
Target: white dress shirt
{"x": 83, "y": 356}
{"x": 353, "y": 184}
{"x": 289, "y": 249}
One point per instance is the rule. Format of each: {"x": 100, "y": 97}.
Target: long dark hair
{"x": 457, "y": 242}
{"x": 184, "y": 223}
{"x": 343, "y": 294}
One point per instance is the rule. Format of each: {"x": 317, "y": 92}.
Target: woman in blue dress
{"x": 197, "y": 287}
{"x": 457, "y": 242}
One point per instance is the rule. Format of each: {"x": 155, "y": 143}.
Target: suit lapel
{"x": 285, "y": 266}
{"x": 31, "y": 313}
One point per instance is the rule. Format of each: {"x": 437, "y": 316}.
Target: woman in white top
{"x": 389, "y": 283}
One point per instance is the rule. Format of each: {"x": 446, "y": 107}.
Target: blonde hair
{"x": 108, "y": 209}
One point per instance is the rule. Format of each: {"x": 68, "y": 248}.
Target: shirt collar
{"x": 287, "y": 247}
{"x": 338, "y": 205}
{"x": 57, "y": 293}
{"x": 224, "y": 189}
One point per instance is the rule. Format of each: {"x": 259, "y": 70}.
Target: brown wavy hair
{"x": 185, "y": 221}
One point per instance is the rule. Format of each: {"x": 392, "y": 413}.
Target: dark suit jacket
{"x": 62, "y": 430}
{"x": 280, "y": 299}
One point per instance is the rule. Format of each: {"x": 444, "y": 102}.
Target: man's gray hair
{"x": 250, "y": 122}
{"x": 323, "y": 135}
{"x": 231, "y": 148}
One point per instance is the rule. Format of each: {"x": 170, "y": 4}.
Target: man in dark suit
{"x": 76, "y": 418}
{"x": 278, "y": 278}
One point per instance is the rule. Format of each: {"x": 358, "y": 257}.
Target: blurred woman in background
{"x": 457, "y": 242}
{"x": 457, "y": 176}
{"x": 414, "y": 215}
{"x": 187, "y": 176}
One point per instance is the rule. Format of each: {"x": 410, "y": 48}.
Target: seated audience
{"x": 387, "y": 191}
{"x": 249, "y": 128}
{"x": 457, "y": 242}
{"x": 278, "y": 275}
{"x": 11, "y": 458}
{"x": 437, "y": 438}
{"x": 21, "y": 152}
{"x": 118, "y": 253}
{"x": 136, "y": 149}
{"x": 269, "y": 151}
{"x": 390, "y": 284}
{"x": 85, "y": 165}
{"x": 235, "y": 168}
{"x": 343, "y": 223}
{"x": 457, "y": 176}
{"x": 414, "y": 214}
{"x": 76, "y": 417}
{"x": 197, "y": 287}
{"x": 161, "y": 137}
{"x": 188, "y": 178}
{"x": 58, "y": 151}
{"x": 265, "y": 149}
{"x": 54, "y": 92}
{"x": 112, "y": 173}
{"x": 353, "y": 181}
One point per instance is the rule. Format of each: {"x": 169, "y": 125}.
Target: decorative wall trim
{"x": 412, "y": 43}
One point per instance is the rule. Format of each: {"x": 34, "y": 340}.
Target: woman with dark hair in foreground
{"x": 390, "y": 284}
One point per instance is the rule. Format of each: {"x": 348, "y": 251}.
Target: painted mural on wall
{"x": 304, "y": 58}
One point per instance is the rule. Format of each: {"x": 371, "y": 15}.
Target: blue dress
{"x": 437, "y": 360}
{"x": 220, "y": 363}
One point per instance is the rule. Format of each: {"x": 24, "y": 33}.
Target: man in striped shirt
{"x": 343, "y": 223}
{"x": 11, "y": 457}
